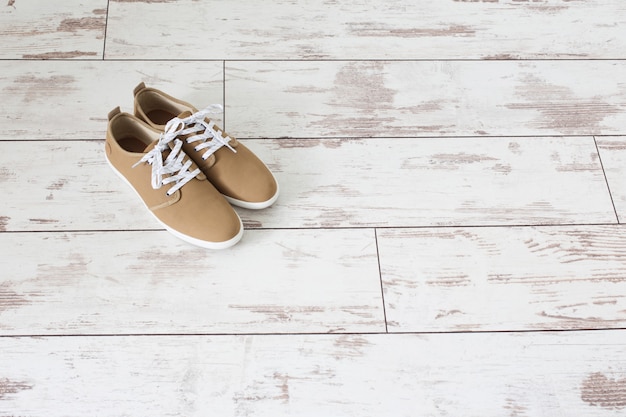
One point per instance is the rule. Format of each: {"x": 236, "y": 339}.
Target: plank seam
{"x": 382, "y": 287}
{"x": 224, "y": 95}
{"x": 269, "y": 334}
{"x": 606, "y": 180}
{"x": 347, "y": 138}
{"x": 613, "y": 59}
{"x": 106, "y": 25}
{"x": 364, "y": 60}
{"x": 423, "y": 227}
{"x": 546, "y": 136}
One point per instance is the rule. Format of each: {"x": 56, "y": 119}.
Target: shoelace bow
{"x": 206, "y": 133}
{"x": 173, "y": 164}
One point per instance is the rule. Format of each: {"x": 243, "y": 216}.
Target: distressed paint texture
{"x": 52, "y": 30}
{"x": 321, "y": 99}
{"x": 73, "y": 99}
{"x": 487, "y": 375}
{"x": 273, "y": 281}
{"x": 387, "y": 182}
{"x": 492, "y": 279}
{"x": 333, "y": 183}
{"x": 399, "y": 29}
{"x": 613, "y": 153}
{"x": 77, "y": 192}
{"x": 415, "y": 99}
{"x": 599, "y": 390}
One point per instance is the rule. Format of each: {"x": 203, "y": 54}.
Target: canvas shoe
{"x": 171, "y": 186}
{"x": 232, "y": 168}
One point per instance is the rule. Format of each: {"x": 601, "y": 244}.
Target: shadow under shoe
{"x": 171, "y": 186}
{"x": 233, "y": 169}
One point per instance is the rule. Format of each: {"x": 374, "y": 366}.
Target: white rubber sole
{"x": 253, "y": 206}
{"x": 189, "y": 239}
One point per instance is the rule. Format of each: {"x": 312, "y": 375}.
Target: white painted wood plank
{"x": 434, "y": 182}
{"x": 409, "y": 99}
{"x": 52, "y": 29}
{"x": 474, "y": 375}
{"x": 332, "y": 183}
{"x": 65, "y": 185}
{"x": 319, "y": 281}
{"x": 490, "y": 279}
{"x": 70, "y": 100}
{"x": 353, "y": 29}
{"x": 613, "y": 153}
{"x": 304, "y": 99}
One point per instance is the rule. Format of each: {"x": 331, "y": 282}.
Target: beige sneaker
{"x": 171, "y": 186}
{"x": 231, "y": 167}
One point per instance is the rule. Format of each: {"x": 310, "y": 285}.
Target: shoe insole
{"x": 160, "y": 117}
{"x": 132, "y": 144}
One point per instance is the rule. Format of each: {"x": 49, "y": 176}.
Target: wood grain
{"x": 532, "y": 374}
{"x": 68, "y": 187}
{"x": 332, "y": 183}
{"x": 71, "y": 100}
{"x": 434, "y": 182}
{"x": 304, "y": 99}
{"x": 491, "y": 279}
{"x": 151, "y": 283}
{"x": 52, "y": 30}
{"x": 415, "y": 99}
{"x": 613, "y": 153}
{"x": 398, "y": 29}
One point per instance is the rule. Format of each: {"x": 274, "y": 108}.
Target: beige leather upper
{"x": 241, "y": 175}
{"x": 196, "y": 210}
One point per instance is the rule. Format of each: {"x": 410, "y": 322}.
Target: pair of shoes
{"x": 186, "y": 169}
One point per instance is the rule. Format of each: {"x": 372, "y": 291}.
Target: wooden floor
{"x": 449, "y": 240}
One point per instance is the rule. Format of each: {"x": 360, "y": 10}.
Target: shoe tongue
{"x": 193, "y": 166}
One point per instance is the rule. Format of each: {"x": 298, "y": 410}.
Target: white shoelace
{"x": 207, "y": 134}
{"x": 173, "y": 164}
